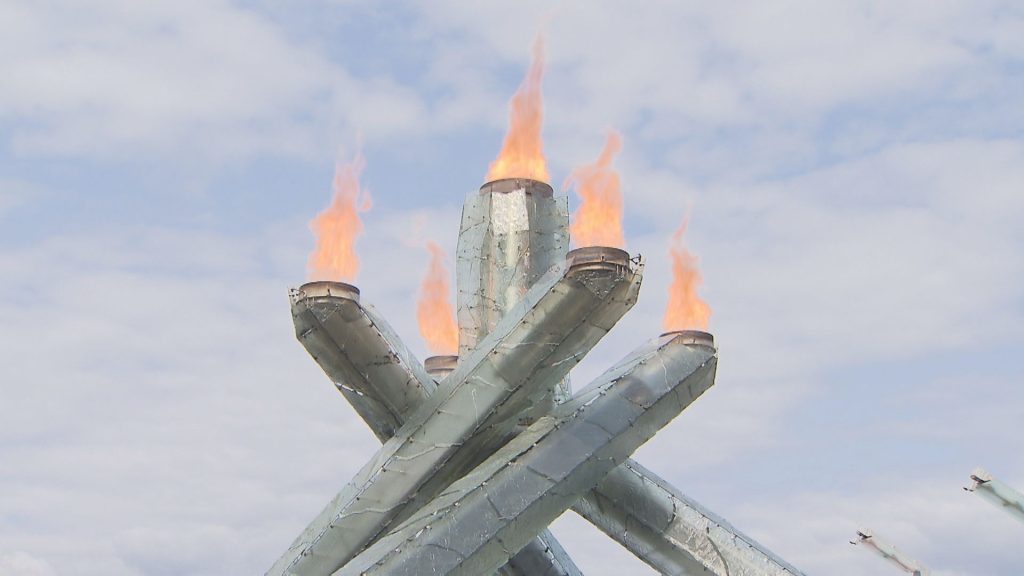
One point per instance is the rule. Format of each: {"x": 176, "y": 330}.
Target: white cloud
{"x": 22, "y": 564}
{"x": 721, "y": 64}
{"x": 14, "y": 193}
{"x": 156, "y": 392}
{"x": 112, "y": 78}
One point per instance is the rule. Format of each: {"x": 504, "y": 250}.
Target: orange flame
{"x": 598, "y": 220}
{"x": 338, "y": 226}
{"x": 686, "y": 310}
{"x": 522, "y": 154}
{"x": 434, "y": 311}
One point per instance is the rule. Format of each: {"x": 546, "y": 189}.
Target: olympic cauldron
{"x": 482, "y": 451}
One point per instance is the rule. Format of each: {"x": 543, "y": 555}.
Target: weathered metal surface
{"x": 887, "y": 551}
{"x": 512, "y": 232}
{"x": 488, "y": 515}
{"x": 328, "y": 339}
{"x": 360, "y": 353}
{"x": 612, "y": 284}
{"x": 542, "y": 556}
{"x": 998, "y": 493}
{"x": 528, "y": 310}
{"x": 671, "y": 532}
{"x": 515, "y": 366}
{"x": 628, "y": 506}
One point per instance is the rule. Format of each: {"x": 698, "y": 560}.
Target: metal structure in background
{"x": 997, "y": 493}
{"x": 483, "y": 450}
{"x": 869, "y": 541}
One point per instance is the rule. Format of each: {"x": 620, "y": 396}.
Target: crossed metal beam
{"x": 476, "y": 464}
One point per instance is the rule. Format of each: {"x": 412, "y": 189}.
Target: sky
{"x": 853, "y": 172}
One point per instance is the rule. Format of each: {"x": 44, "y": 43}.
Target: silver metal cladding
{"x": 671, "y": 532}
{"x": 482, "y": 451}
{"x": 533, "y": 347}
{"x": 496, "y": 509}
{"x": 360, "y": 353}
{"x": 543, "y": 556}
{"x": 512, "y": 232}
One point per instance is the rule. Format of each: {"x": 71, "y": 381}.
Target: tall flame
{"x": 686, "y": 310}
{"x": 598, "y": 220}
{"x": 337, "y": 227}
{"x": 522, "y": 154}
{"x": 434, "y": 311}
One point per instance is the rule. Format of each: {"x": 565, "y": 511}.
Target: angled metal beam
{"x": 488, "y": 515}
{"x": 542, "y": 556}
{"x": 887, "y": 551}
{"x": 373, "y": 369}
{"x": 601, "y": 272}
{"x": 997, "y": 493}
{"x": 512, "y": 231}
{"x": 671, "y": 532}
{"x": 361, "y": 354}
{"x": 540, "y": 339}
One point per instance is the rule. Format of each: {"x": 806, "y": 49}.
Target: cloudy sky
{"x": 854, "y": 172}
